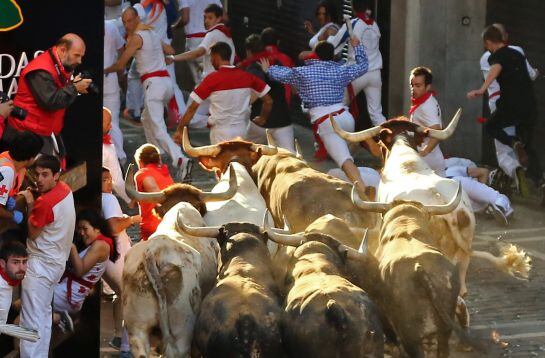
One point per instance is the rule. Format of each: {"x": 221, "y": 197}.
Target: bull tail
{"x": 246, "y": 330}
{"x": 336, "y": 315}
{"x": 426, "y": 282}
{"x": 154, "y": 277}
{"x": 512, "y": 260}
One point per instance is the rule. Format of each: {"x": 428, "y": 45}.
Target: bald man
{"x": 46, "y": 90}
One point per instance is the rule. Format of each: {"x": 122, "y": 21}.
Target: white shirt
{"x": 485, "y": 68}
{"x": 369, "y": 36}
{"x": 429, "y": 114}
{"x": 110, "y": 161}
{"x": 110, "y": 206}
{"x": 6, "y": 293}
{"x": 6, "y": 183}
{"x": 210, "y": 40}
{"x": 113, "y": 12}
{"x": 156, "y": 16}
{"x": 149, "y": 58}
{"x": 113, "y": 42}
{"x": 196, "y": 14}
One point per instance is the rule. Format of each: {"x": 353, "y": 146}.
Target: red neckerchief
{"x": 65, "y": 75}
{"x": 10, "y": 281}
{"x": 106, "y": 139}
{"x": 221, "y": 27}
{"x": 109, "y": 241}
{"x": 416, "y": 102}
{"x": 254, "y": 58}
{"x": 364, "y": 16}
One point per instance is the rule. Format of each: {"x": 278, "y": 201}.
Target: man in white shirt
{"x": 13, "y": 266}
{"x": 191, "y": 16}
{"x": 113, "y": 45}
{"x": 147, "y": 49}
{"x": 367, "y": 31}
{"x": 216, "y": 31}
{"x": 507, "y": 159}
{"x": 50, "y": 231}
{"x": 109, "y": 159}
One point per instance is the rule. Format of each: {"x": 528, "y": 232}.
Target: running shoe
{"x": 66, "y": 324}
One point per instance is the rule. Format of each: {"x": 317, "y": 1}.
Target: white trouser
{"x": 195, "y": 66}
{"x": 481, "y": 195}
{"x": 157, "y": 93}
{"x": 113, "y": 103}
{"x": 369, "y": 175}
{"x": 371, "y": 84}
{"x": 135, "y": 92}
{"x": 38, "y": 286}
{"x": 336, "y": 146}
{"x": 227, "y": 132}
{"x": 507, "y": 159}
{"x": 114, "y": 270}
{"x": 180, "y": 101}
{"x": 283, "y": 136}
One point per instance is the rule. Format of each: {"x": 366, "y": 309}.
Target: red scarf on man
{"x": 9, "y": 280}
{"x": 364, "y": 16}
{"x": 221, "y": 27}
{"x": 106, "y": 139}
{"x": 416, "y": 102}
{"x": 65, "y": 75}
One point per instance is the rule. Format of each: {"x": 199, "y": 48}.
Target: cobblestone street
{"x": 515, "y": 309}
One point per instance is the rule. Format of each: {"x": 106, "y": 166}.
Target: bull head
{"x": 160, "y": 196}
{"x": 440, "y": 134}
{"x": 298, "y": 239}
{"x": 382, "y": 208}
{"x": 218, "y": 156}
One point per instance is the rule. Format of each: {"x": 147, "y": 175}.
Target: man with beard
{"x": 46, "y": 90}
{"x": 13, "y": 263}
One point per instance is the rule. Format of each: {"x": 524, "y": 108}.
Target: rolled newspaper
{"x": 348, "y": 22}
{"x": 19, "y": 332}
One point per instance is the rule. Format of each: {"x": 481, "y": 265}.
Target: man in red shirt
{"x": 230, "y": 90}
{"x": 152, "y": 176}
{"x": 46, "y": 90}
{"x": 50, "y": 231}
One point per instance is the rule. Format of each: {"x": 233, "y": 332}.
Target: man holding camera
{"x": 45, "y": 91}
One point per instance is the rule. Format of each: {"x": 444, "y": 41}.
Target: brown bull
{"x": 327, "y": 315}
{"x": 241, "y": 316}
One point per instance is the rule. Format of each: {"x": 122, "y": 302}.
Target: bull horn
{"x": 202, "y": 231}
{"x": 447, "y": 208}
{"x": 442, "y": 134}
{"x": 152, "y": 197}
{"x": 207, "y": 150}
{"x": 226, "y": 195}
{"x": 270, "y": 140}
{"x": 352, "y": 253}
{"x": 298, "y": 150}
{"x": 283, "y": 239}
{"x": 265, "y": 149}
{"x": 373, "y": 206}
{"x": 356, "y": 136}
{"x": 364, "y": 245}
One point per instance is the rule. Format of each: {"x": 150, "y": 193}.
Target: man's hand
{"x": 260, "y": 121}
{"x": 169, "y": 59}
{"x": 308, "y": 27}
{"x": 475, "y": 93}
{"x": 354, "y": 41}
{"x": 136, "y": 219}
{"x": 29, "y": 198}
{"x": 265, "y": 64}
{"x": 5, "y": 108}
{"x": 81, "y": 84}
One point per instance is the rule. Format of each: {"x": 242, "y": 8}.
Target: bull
{"x": 406, "y": 176}
{"x": 322, "y": 302}
{"x": 171, "y": 272}
{"x": 241, "y": 316}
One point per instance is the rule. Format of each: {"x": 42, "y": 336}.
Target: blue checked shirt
{"x": 321, "y": 83}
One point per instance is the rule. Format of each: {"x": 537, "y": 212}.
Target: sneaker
{"x": 66, "y": 324}
{"x": 183, "y": 173}
{"x": 522, "y": 156}
{"x": 498, "y": 213}
{"x": 115, "y": 343}
{"x": 522, "y": 184}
